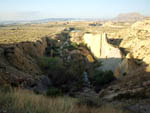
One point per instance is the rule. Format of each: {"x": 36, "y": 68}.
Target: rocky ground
{"x": 134, "y": 88}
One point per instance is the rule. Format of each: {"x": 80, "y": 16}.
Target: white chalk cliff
{"x": 106, "y": 53}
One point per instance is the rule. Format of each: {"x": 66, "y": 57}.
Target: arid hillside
{"x": 65, "y": 60}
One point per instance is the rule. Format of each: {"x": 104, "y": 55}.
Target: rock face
{"x": 18, "y": 65}
{"x": 137, "y": 40}
{"x": 110, "y": 56}
{"x": 94, "y": 43}
{"x": 23, "y": 55}
{"x": 126, "y": 66}
{"x": 76, "y": 37}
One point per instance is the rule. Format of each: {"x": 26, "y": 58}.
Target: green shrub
{"x": 71, "y": 28}
{"x": 75, "y": 45}
{"x": 72, "y": 46}
{"x": 65, "y": 76}
{"x": 50, "y": 63}
{"x": 103, "y": 77}
{"x": 69, "y": 47}
{"x": 63, "y": 35}
{"x": 53, "y": 92}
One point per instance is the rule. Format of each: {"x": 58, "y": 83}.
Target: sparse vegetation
{"x": 50, "y": 63}
{"x": 27, "y": 102}
{"x": 23, "y": 33}
{"x": 103, "y": 77}
{"x": 65, "y": 77}
{"x": 75, "y": 45}
{"x": 64, "y": 63}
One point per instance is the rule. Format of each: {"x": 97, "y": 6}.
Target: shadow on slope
{"x": 115, "y": 42}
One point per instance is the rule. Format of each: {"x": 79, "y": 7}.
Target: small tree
{"x": 103, "y": 77}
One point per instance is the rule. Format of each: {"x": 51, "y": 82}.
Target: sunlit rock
{"x": 106, "y": 53}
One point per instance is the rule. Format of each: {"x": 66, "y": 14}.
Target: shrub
{"x": 50, "y": 63}
{"x": 103, "y": 77}
{"x": 71, "y": 28}
{"x": 63, "y": 35}
{"x": 70, "y": 77}
{"x": 63, "y": 76}
{"x": 65, "y": 81}
{"x": 75, "y": 45}
{"x": 71, "y": 46}
{"x": 53, "y": 92}
{"x": 84, "y": 45}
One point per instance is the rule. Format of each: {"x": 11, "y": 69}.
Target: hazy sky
{"x": 36, "y": 9}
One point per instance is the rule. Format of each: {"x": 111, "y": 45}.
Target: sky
{"x": 40, "y": 9}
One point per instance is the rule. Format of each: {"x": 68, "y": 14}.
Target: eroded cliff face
{"x": 18, "y": 62}
{"x": 109, "y": 55}
{"x": 94, "y": 43}
{"x": 100, "y": 47}
{"x": 137, "y": 41}
{"x": 22, "y": 55}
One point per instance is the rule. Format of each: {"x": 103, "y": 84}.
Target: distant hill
{"x": 11, "y": 22}
{"x": 120, "y": 18}
{"x": 35, "y": 21}
{"x": 129, "y": 17}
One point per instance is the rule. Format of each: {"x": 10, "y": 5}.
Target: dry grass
{"x": 33, "y": 32}
{"x": 22, "y": 33}
{"x": 22, "y": 101}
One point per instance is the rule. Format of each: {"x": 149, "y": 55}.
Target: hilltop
{"x": 124, "y": 17}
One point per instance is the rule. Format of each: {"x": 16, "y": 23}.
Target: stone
{"x": 125, "y": 67}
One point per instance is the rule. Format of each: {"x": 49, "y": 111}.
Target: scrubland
{"x": 62, "y": 60}
{"x": 23, "y": 101}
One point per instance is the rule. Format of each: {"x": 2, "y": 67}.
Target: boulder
{"x": 125, "y": 67}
